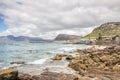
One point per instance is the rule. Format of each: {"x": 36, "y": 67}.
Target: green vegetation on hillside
{"x": 107, "y": 30}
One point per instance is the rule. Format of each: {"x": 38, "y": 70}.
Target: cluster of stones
{"x": 107, "y": 59}
{"x": 99, "y": 61}
{"x": 11, "y": 74}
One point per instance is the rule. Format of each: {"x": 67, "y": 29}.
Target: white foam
{"x": 41, "y": 61}
{"x": 67, "y": 49}
{"x": 11, "y": 66}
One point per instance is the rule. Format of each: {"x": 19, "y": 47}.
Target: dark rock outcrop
{"x": 9, "y": 74}
{"x": 69, "y": 57}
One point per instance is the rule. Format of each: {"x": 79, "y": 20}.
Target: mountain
{"x": 21, "y": 38}
{"x": 108, "y": 30}
{"x": 66, "y": 37}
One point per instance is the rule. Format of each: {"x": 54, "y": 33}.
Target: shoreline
{"x": 60, "y": 65}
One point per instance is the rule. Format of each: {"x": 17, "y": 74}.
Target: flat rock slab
{"x": 38, "y": 69}
{"x": 48, "y": 76}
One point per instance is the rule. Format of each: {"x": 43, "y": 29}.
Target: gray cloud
{"x": 51, "y": 17}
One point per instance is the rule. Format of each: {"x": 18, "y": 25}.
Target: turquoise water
{"x": 31, "y": 52}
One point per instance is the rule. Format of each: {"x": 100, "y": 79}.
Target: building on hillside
{"x": 117, "y": 40}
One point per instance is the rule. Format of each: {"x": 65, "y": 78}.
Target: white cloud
{"x": 47, "y": 18}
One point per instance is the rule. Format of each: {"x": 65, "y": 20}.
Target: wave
{"x": 13, "y": 65}
{"x": 40, "y": 61}
{"x": 67, "y": 49}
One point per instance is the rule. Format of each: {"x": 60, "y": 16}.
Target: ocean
{"x": 32, "y": 53}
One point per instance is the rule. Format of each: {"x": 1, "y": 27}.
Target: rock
{"x": 48, "y": 76}
{"x": 79, "y": 51}
{"x": 78, "y": 66}
{"x": 72, "y": 63}
{"x": 98, "y": 62}
{"x": 9, "y": 74}
{"x": 110, "y": 48}
{"x": 59, "y": 56}
{"x": 116, "y": 68}
{"x": 77, "y": 58}
{"x": 106, "y": 68}
{"x": 56, "y": 76}
{"x": 19, "y": 62}
{"x": 86, "y": 78}
{"x": 26, "y": 77}
{"x": 105, "y": 78}
{"x": 117, "y": 48}
{"x": 69, "y": 57}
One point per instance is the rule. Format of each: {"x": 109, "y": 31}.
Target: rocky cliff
{"x": 108, "y": 30}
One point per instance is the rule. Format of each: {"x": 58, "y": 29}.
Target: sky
{"x": 48, "y": 18}
{"x": 3, "y": 27}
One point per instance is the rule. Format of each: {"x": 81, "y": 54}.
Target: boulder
{"x": 69, "y": 57}
{"x": 9, "y": 74}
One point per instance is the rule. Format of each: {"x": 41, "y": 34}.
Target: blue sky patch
{"x": 3, "y": 27}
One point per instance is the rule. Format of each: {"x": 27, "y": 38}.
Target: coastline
{"x": 65, "y": 64}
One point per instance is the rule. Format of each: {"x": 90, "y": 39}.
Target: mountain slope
{"x": 66, "y": 37}
{"x": 21, "y": 38}
{"x": 110, "y": 29}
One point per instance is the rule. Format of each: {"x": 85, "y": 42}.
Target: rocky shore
{"x": 88, "y": 64}
{"x": 101, "y": 64}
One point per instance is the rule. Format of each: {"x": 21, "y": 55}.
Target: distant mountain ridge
{"x": 109, "y": 29}
{"x": 66, "y": 37}
{"x": 21, "y": 38}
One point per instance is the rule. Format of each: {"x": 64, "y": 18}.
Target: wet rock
{"x": 9, "y": 74}
{"x": 19, "y": 62}
{"x": 69, "y": 57}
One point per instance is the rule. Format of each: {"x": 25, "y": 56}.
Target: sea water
{"x": 32, "y": 53}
